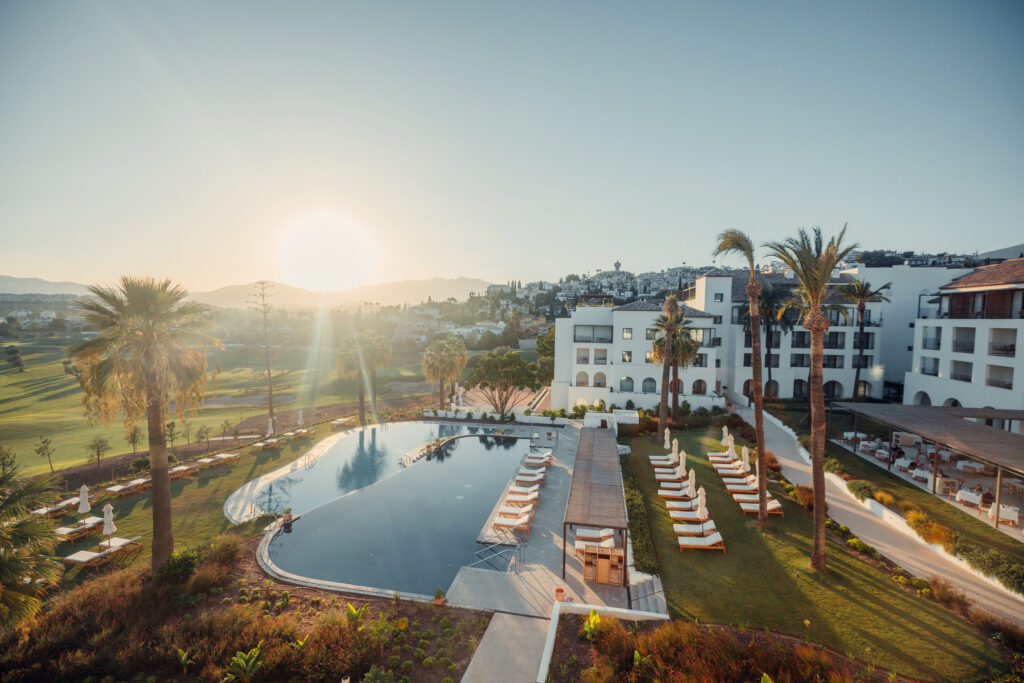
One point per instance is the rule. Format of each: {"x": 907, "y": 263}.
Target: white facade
{"x": 967, "y": 353}
{"x": 602, "y": 354}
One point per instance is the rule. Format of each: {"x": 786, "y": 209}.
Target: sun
{"x": 326, "y": 252}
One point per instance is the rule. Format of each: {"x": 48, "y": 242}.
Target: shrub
{"x": 832, "y": 465}
{"x": 139, "y": 465}
{"x": 861, "y": 489}
{"x": 905, "y": 506}
{"x": 644, "y": 558}
{"x": 225, "y": 549}
{"x": 180, "y": 566}
{"x": 918, "y": 582}
{"x": 771, "y": 462}
{"x": 428, "y": 663}
{"x": 859, "y": 545}
{"x": 885, "y": 498}
{"x": 208, "y": 578}
{"x": 805, "y": 441}
{"x": 804, "y": 496}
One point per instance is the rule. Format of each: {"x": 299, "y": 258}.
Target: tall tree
{"x": 224, "y": 427}
{"x": 263, "y": 290}
{"x": 352, "y": 365}
{"x": 44, "y": 449}
{"x": 442, "y": 362}
{"x": 546, "y": 356}
{"x": 377, "y": 354}
{"x": 172, "y": 432}
{"x": 737, "y": 242}
{"x": 861, "y": 293}
{"x": 26, "y": 545}
{"x": 684, "y": 350}
{"x": 134, "y": 437}
{"x": 97, "y": 446}
{"x": 670, "y": 310}
{"x": 812, "y": 262}
{"x": 149, "y": 349}
{"x": 504, "y": 379}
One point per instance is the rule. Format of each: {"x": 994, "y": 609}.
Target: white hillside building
{"x": 602, "y": 353}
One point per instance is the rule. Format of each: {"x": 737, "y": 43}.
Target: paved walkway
{"x": 894, "y": 544}
{"x": 510, "y": 650}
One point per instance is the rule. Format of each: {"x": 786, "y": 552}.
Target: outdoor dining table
{"x": 1007, "y": 513}
{"x": 850, "y": 436}
{"x": 965, "y": 465}
{"x": 903, "y": 464}
{"x": 966, "y": 497}
{"x": 882, "y": 454}
{"x": 921, "y": 475}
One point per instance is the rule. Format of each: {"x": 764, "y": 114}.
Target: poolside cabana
{"x": 947, "y": 427}
{"x": 596, "y": 498}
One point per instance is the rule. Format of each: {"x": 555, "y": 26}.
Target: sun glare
{"x": 325, "y": 252}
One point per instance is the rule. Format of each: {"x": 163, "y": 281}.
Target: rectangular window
{"x": 800, "y": 360}
{"x": 737, "y": 314}
{"x": 582, "y": 356}
{"x": 601, "y": 334}
{"x": 649, "y": 357}
{"x": 718, "y": 297}
{"x": 869, "y": 340}
{"x": 600, "y": 356}
{"x": 627, "y": 332}
{"x": 652, "y": 334}
{"x": 718, "y": 320}
{"x": 718, "y": 362}
{"x": 701, "y": 361}
{"x": 868, "y": 362}
{"x": 832, "y": 361}
{"x": 773, "y": 360}
{"x": 801, "y": 340}
{"x": 627, "y": 356}
{"x": 747, "y": 360}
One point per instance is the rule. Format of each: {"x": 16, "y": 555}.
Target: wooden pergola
{"x": 948, "y": 427}
{"x": 596, "y": 498}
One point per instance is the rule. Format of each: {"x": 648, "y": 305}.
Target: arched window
{"x": 863, "y": 389}
{"x": 649, "y": 386}
{"x": 748, "y": 390}
{"x": 700, "y": 387}
{"x": 581, "y": 379}
{"x": 952, "y": 403}
{"x": 600, "y": 380}
{"x": 922, "y": 399}
{"x": 771, "y": 389}
{"x": 833, "y": 389}
{"x": 626, "y": 385}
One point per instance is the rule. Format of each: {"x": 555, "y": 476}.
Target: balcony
{"x": 963, "y": 346}
{"x": 592, "y": 339}
{"x": 932, "y": 344}
{"x": 960, "y": 376}
{"x": 999, "y": 383}
{"x": 932, "y": 371}
{"x": 1008, "y": 350}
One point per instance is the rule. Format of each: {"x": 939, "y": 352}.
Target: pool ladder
{"x": 488, "y": 553}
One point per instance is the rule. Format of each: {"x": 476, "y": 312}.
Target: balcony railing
{"x": 582, "y": 361}
{"x": 960, "y": 376}
{"x": 834, "y": 345}
{"x": 600, "y": 361}
{"x": 592, "y": 339}
{"x": 963, "y": 346}
{"x": 800, "y": 343}
{"x": 1000, "y": 383}
{"x": 1009, "y": 350}
{"x": 804, "y": 363}
{"x": 933, "y": 371}
{"x": 931, "y": 344}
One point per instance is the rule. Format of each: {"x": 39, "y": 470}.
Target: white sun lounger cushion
{"x": 510, "y": 511}
{"x": 525, "y": 489}
{"x": 606, "y": 543}
{"x": 703, "y": 529}
{"x": 691, "y": 541}
{"x": 752, "y": 507}
{"x": 595, "y": 535}
{"x": 681, "y": 504}
{"x": 685, "y": 515}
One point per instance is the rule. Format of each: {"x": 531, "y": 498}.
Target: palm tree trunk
{"x": 675, "y": 392}
{"x": 373, "y": 389}
{"x": 754, "y": 295}
{"x": 817, "y": 324}
{"x": 860, "y": 351}
{"x": 163, "y": 533}
{"x": 768, "y": 345}
{"x": 440, "y": 393}
{"x": 665, "y": 366}
{"x": 362, "y": 398}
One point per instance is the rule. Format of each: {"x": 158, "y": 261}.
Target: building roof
{"x": 1006, "y": 273}
{"x": 654, "y": 305}
{"x": 943, "y": 426}
{"x": 596, "y": 498}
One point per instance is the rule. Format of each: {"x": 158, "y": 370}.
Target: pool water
{"x": 368, "y": 521}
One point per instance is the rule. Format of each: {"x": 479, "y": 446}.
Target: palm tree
{"x": 812, "y": 262}
{"x": 684, "y": 349}
{"x": 442, "y": 362}
{"x": 772, "y": 301}
{"x": 351, "y": 364}
{"x": 149, "y": 349}
{"x": 26, "y": 545}
{"x": 376, "y": 354}
{"x": 860, "y": 293}
{"x": 737, "y": 242}
{"x": 671, "y": 313}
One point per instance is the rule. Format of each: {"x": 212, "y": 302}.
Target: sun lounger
{"x": 527, "y": 469}
{"x": 681, "y": 504}
{"x": 593, "y": 535}
{"x": 774, "y": 507}
{"x": 705, "y": 529}
{"x": 663, "y": 460}
{"x": 531, "y": 478}
{"x": 522, "y": 498}
{"x": 520, "y": 523}
{"x": 677, "y": 474}
{"x": 581, "y": 546}
{"x": 748, "y": 497}
{"x": 675, "y": 494}
{"x": 90, "y": 525}
{"x": 509, "y": 511}
{"x": 182, "y": 471}
{"x": 225, "y": 457}
{"x": 116, "y": 543}
{"x": 524, "y": 490}
{"x": 87, "y": 558}
{"x": 748, "y": 479}
{"x": 712, "y": 542}
{"x": 722, "y": 457}
{"x": 741, "y": 488}
{"x": 129, "y": 487}
{"x": 685, "y": 516}
{"x": 537, "y": 462}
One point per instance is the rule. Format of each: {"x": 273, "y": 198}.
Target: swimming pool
{"x": 369, "y": 521}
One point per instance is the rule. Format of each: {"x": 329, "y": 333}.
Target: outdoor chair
{"x": 712, "y": 542}
{"x": 774, "y": 507}
{"x": 521, "y": 523}
{"x": 524, "y": 490}
{"x": 676, "y": 494}
{"x": 509, "y": 511}
{"x": 680, "y": 505}
{"x": 581, "y": 546}
{"x": 705, "y": 529}
{"x": 520, "y": 499}
{"x": 686, "y": 516}
{"x": 593, "y": 535}
{"x": 531, "y": 478}
{"x": 678, "y": 474}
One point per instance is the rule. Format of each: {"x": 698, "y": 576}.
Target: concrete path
{"x": 889, "y": 541}
{"x": 510, "y": 650}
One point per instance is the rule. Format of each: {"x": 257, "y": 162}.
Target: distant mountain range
{"x": 285, "y": 296}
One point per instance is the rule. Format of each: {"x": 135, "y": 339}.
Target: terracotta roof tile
{"x": 1006, "y": 273}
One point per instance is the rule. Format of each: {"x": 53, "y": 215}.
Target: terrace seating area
{"x": 109, "y": 550}
{"x": 522, "y": 498}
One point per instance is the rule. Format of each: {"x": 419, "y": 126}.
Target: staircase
{"x": 648, "y": 596}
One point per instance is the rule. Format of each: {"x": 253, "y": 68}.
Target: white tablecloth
{"x": 963, "y": 496}
{"x": 1007, "y": 513}
{"x": 903, "y": 464}
{"x": 850, "y": 436}
{"x": 965, "y": 465}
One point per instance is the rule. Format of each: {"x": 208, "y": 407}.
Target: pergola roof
{"x": 596, "y": 498}
{"x": 946, "y": 426}
{"x": 986, "y": 413}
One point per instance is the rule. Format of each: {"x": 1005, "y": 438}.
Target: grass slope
{"x": 44, "y": 400}
{"x": 765, "y": 581}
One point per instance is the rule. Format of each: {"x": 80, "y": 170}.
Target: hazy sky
{"x": 331, "y": 144}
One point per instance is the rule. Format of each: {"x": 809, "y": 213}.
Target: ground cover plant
{"x": 191, "y": 623}
{"x": 764, "y": 581}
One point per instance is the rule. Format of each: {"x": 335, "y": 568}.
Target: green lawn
{"x": 44, "y": 400}
{"x": 764, "y": 581}
{"x": 941, "y": 511}
{"x": 197, "y": 502}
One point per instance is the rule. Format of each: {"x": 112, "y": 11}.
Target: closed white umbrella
{"x": 693, "y": 477}
{"x": 108, "y": 522}
{"x": 668, "y": 445}
{"x": 725, "y": 433}
{"x": 270, "y": 427}
{"x": 300, "y": 417}
{"x": 675, "y": 449}
{"x": 702, "y": 508}
{"x": 83, "y": 500}
{"x": 746, "y": 459}
{"x": 682, "y": 457}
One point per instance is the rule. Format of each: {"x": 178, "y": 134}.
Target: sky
{"x": 333, "y": 144}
